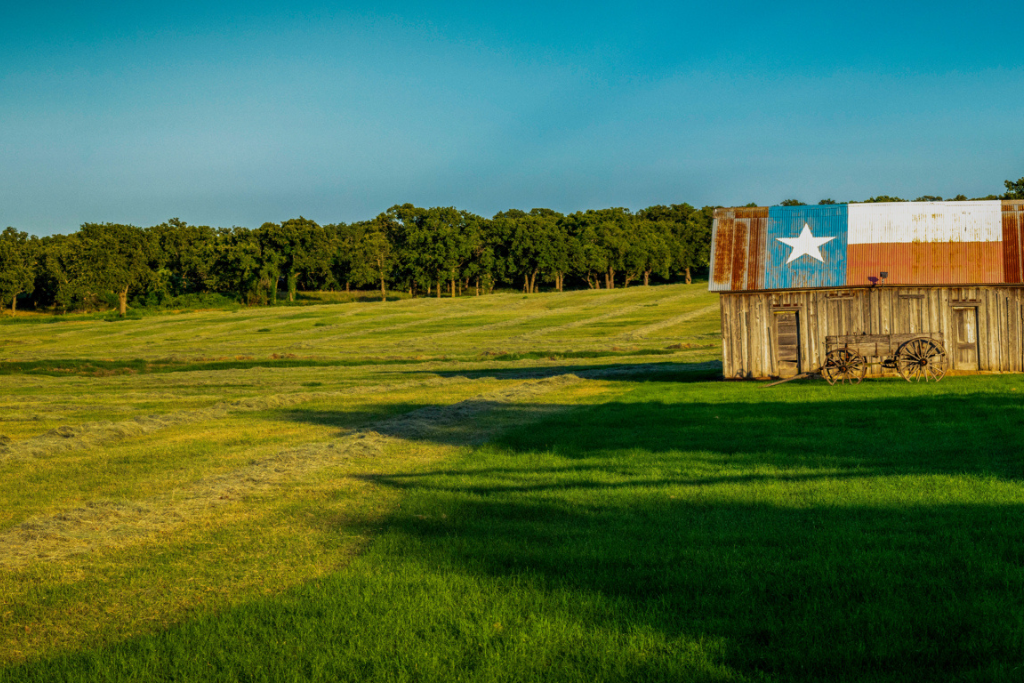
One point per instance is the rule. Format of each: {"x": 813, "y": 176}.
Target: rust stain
{"x": 738, "y": 251}
{"x": 755, "y": 253}
{"x": 740, "y": 235}
{"x": 1013, "y": 236}
{"x": 723, "y": 249}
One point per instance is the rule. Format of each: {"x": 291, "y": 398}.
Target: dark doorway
{"x": 787, "y": 343}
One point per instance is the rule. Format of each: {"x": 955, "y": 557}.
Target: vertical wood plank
{"x": 723, "y": 317}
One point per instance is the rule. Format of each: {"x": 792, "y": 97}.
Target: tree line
{"x": 424, "y": 252}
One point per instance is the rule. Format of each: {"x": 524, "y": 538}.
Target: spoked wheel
{"x": 921, "y": 359}
{"x": 844, "y": 367}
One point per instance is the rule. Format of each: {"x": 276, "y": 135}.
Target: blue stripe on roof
{"x": 806, "y": 271}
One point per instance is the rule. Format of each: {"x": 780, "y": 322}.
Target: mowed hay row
{"x": 72, "y": 437}
{"x": 105, "y": 523}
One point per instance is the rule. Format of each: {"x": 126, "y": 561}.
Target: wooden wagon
{"x": 915, "y": 357}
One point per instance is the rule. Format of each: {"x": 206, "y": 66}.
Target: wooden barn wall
{"x": 748, "y": 329}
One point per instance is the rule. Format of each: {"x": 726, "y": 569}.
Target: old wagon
{"x": 915, "y": 357}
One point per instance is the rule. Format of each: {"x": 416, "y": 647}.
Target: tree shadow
{"x": 836, "y": 543}
{"x": 665, "y": 371}
{"x": 981, "y": 434}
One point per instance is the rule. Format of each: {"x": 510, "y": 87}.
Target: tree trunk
{"x": 689, "y": 280}
{"x": 647, "y": 278}
{"x": 14, "y": 303}
{"x": 526, "y": 283}
{"x": 453, "y": 288}
{"x": 292, "y": 280}
{"x": 348, "y": 286}
{"x": 478, "y": 286}
{"x": 625, "y": 285}
{"x": 438, "y": 288}
{"x": 533, "y": 283}
{"x": 122, "y": 302}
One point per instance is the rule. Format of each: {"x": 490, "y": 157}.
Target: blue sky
{"x": 240, "y": 113}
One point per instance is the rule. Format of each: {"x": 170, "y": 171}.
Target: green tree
{"x": 374, "y": 256}
{"x": 791, "y": 202}
{"x": 1014, "y": 189}
{"x": 118, "y": 258}
{"x": 59, "y": 267}
{"x": 302, "y": 246}
{"x": 690, "y": 241}
{"x": 17, "y": 266}
{"x": 183, "y": 256}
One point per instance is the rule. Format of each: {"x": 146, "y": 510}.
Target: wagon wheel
{"x": 921, "y": 358}
{"x": 843, "y": 366}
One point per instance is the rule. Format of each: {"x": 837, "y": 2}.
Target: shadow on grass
{"x": 981, "y": 434}
{"x": 782, "y": 540}
{"x": 818, "y": 547}
{"x": 662, "y": 371}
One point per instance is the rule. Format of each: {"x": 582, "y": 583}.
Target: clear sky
{"x": 239, "y": 113}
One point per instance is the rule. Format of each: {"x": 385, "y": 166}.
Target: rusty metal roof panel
{"x": 737, "y": 245}
{"x": 1013, "y": 240}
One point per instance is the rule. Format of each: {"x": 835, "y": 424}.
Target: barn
{"x": 795, "y": 279}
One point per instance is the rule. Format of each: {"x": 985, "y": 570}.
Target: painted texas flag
{"x": 839, "y": 245}
{"x": 913, "y": 242}
{"x": 805, "y": 246}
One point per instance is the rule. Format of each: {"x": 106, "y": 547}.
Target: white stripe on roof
{"x": 925, "y": 222}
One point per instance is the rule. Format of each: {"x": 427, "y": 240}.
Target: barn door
{"x": 965, "y": 355}
{"x": 787, "y": 343}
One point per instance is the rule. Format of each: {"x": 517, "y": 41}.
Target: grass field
{"x": 552, "y": 487}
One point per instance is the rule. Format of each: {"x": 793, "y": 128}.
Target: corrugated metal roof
{"x": 925, "y": 222}
{"x": 838, "y": 245}
{"x": 1013, "y": 240}
{"x": 737, "y": 249}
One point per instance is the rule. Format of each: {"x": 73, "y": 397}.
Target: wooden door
{"x": 787, "y": 343}
{"x": 965, "y": 353}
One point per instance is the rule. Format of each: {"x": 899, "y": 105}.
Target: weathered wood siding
{"x": 750, "y": 337}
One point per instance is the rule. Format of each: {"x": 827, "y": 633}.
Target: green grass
{"x": 484, "y": 524}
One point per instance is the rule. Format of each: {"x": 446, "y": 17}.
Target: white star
{"x": 806, "y": 243}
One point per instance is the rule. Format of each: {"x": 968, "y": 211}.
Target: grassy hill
{"x": 552, "y": 487}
